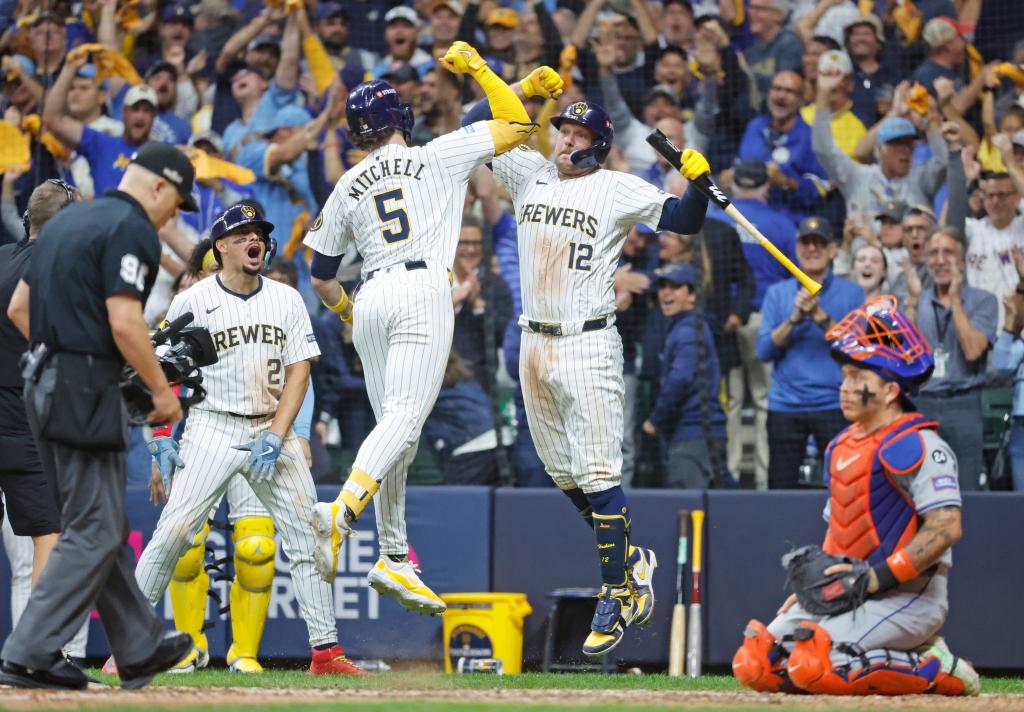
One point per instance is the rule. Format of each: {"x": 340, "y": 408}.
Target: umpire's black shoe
{"x": 61, "y": 676}
{"x": 172, "y": 649}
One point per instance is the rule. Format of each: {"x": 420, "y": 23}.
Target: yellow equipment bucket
{"x": 485, "y": 625}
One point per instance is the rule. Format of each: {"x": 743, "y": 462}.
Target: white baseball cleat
{"x": 330, "y": 531}
{"x": 641, "y": 564}
{"x": 952, "y": 664}
{"x": 401, "y": 581}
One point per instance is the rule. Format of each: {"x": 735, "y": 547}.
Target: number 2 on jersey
{"x": 391, "y": 209}
{"x": 274, "y": 371}
{"x": 580, "y": 254}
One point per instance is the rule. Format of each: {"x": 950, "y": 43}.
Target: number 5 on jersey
{"x": 391, "y": 210}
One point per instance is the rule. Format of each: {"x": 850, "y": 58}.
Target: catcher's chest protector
{"x": 871, "y": 515}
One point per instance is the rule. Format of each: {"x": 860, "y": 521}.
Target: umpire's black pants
{"x": 90, "y": 565}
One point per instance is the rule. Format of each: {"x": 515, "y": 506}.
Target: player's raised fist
{"x": 694, "y": 164}
{"x": 542, "y": 81}
{"x": 462, "y": 58}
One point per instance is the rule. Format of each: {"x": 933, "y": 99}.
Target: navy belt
{"x": 550, "y": 329}
{"x": 410, "y": 266}
{"x": 258, "y": 416}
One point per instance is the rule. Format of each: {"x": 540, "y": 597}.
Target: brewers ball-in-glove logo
{"x": 249, "y": 212}
{"x": 579, "y": 108}
{"x": 317, "y": 223}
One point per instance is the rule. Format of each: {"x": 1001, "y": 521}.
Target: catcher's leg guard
{"x": 189, "y": 588}
{"x": 760, "y": 663}
{"x": 254, "y": 577}
{"x": 811, "y": 669}
{"x": 956, "y": 677}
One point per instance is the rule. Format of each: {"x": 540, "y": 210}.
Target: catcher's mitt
{"x": 820, "y": 594}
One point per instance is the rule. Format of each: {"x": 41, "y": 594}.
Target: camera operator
{"x": 81, "y": 301}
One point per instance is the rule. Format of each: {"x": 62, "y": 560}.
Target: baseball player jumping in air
{"x": 264, "y": 342}
{"x": 401, "y": 208}
{"x": 573, "y": 217}
{"x": 894, "y": 508}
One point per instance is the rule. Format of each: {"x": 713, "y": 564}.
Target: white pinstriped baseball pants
{"x": 403, "y": 333}
{"x": 289, "y": 495}
{"x": 574, "y": 396}
{"x": 20, "y": 551}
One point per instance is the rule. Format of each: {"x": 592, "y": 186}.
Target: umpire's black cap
{"x": 173, "y": 166}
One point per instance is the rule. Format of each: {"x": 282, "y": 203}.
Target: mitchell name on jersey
{"x": 384, "y": 169}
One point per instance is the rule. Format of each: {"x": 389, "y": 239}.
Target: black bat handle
{"x": 707, "y": 187}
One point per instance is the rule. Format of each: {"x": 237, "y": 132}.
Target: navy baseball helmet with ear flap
{"x": 374, "y": 107}
{"x": 238, "y": 216}
{"x": 595, "y": 118}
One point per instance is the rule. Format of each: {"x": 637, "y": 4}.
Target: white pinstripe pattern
{"x": 256, "y": 337}
{"x": 574, "y": 395}
{"x": 556, "y": 217}
{"x": 288, "y": 495}
{"x": 403, "y": 319}
{"x": 432, "y": 180}
{"x": 20, "y": 552}
{"x": 572, "y": 385}
{"x": 403, "y": 332}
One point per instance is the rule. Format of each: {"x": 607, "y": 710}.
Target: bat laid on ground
{"x": 693, "y": 638}
{"x": 677, "y": 641}
{"x": 661, "y": 143}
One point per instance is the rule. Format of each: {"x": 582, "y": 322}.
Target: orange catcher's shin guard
{"x": 810, "y": 668}
{"x": 760, "y": 661}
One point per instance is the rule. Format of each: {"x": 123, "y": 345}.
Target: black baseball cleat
{"x": 173, "y": 648}
{"x": 62, "y": 676}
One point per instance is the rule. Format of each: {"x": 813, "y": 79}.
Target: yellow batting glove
{"x": 694, "y": 164}
{"x": 542, "y": 81}
{"x": 462, "y": 58}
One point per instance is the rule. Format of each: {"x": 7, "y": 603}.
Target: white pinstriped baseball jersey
{"x": 401, "y": 204}
{"x": 256, "y": 337}
{"x": 571, "y": 233}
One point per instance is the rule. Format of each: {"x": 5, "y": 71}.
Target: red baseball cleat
{"x": 332, "y": 661}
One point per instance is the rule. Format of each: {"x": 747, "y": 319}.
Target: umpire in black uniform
{"x": 93, "y": 268}
{"x": 31, "y": 499}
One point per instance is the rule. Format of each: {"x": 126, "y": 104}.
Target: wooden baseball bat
{"x": 661, "y": 143}
{"x": 677, "y": 641}
{"x": 694, "y": 660}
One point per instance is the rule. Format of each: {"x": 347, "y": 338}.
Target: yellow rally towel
{"x": 109, "y": 62}
{"x": 298, "y": 232}
{"x": 127, "y": 16}
{"x": 210, "y": 167}
{"x": 909, "y": 19}
{"x": 14, "y": 151}
{"x": 566, "y": 62}
{"x": 918, "y": 98}
{"x": 1013, "y": 71}
{"x": 33, "y": 125}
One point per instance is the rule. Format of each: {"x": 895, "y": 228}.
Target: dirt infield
{"x": 219, "y": 697}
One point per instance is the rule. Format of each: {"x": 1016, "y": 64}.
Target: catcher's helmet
{"x": 240, "y": 215}
{"x": 374, "y": 107}
{"x": 879, "y": 337}
{"x": 591, "y": 115}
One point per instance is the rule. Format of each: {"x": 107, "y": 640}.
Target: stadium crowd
{"x": 878, "y": 144}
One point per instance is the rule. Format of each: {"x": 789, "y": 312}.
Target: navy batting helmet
{"x": 240, "y": 215}
{"x": 591, "y": 115}
{"x": 374, "y": 107}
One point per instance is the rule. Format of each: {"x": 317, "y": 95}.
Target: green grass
{"x": 299, "y": 679}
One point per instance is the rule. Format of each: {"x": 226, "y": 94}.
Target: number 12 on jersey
{"x": 391, "y": 210}
{"x": 580, "y": 254}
